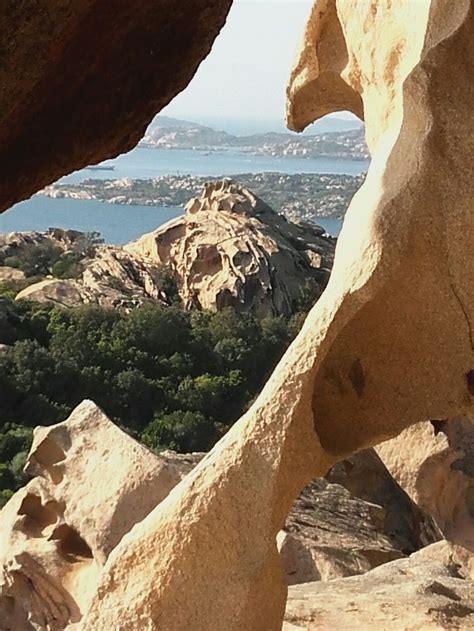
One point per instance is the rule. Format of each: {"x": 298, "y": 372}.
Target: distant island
{"x": 171, "y": 133}
{"x": 300, "y": 197}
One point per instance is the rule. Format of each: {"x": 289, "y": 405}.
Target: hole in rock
{"x": 70, "y": 543}
{"x": 38, "y": 516}
{"x": 49, "y": 453}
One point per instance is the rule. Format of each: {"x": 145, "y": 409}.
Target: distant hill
{"x": 171, "y": 133}
{"x": 244, "y": 127}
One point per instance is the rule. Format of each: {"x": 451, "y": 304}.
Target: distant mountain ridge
{"x": 169, "y": 133}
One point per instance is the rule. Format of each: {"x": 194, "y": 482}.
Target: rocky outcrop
{"x": 57, "y": 534}
{"x": 109, "y": 277}
{"x": 10, "y": 273}
{"x": 66, "y": 103}
{"x": 387, "y": 345}
{"x": 352, "y": 521}
{"x": 93, "y": 483}
{"x": 229, "y": 250}
{"x": 420, "y": 592}
{"x": 434, "y": 462}
{"x": 232, "y": 250}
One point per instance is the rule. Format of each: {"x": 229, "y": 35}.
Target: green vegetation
{"x": 171, "y": 378}
{"x": 37, "y": 260}
{"x": 34, "y": 260}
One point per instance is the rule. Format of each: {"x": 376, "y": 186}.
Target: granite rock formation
{"x": 107, "y": 275}
{"x": 388, "y": 344}
{"x": 112, "y": 278}
{"x": 434, "y": 462}
{"x": 232, "y": 250}
{"x": 92, "y": 484}
{"x": 65, "y": 103}
{"x": 425, "y": 591}
{"x": 56, "y": 534}
{"x": 229, "y": 250}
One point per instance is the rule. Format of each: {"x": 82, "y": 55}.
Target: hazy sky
{"x": 246, "y": 73}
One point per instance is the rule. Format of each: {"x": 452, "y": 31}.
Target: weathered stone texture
{"x": 388, "y": 344}
{"x": 232, "y": 250}
{"x": 80, "y": 80}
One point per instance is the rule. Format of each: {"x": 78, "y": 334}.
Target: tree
{"x": 181, "y": 431}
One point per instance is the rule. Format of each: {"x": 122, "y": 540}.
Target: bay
{"x": 119, "y": 224}
{"x": 147, "y": 163}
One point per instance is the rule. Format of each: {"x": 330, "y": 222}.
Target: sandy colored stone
{"x": 93, "y": 483}
{"x": 66, "y": 293}
{"x": 11, "y": 273}
{"x": 434, "y": 463}
{"x": 419, "y": 593}
{"x": 80, "y": 80}
{"x": 352, "y": 521}
{"x": 57, "y": 533}
{"x": 230, "y": 249}
{"x": 388, "y": 344}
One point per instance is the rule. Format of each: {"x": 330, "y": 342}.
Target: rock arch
{"x": 387, "y": 345}
{"x": 390, "y": 342}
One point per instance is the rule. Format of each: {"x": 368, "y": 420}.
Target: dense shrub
{"x": 173, "y": 379}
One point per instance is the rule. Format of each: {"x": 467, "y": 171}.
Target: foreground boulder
{"x": 57, "y": 534}
{"x": 59, "y": 103}
{"x": 416, "y": 593}
{"x": 232, "y": 250}
{"x": 93, "y": 483}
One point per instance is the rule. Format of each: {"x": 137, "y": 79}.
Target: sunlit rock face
{"x": 92, "y": 483}
{"x": 232, "y": 250}
{"x": 434, "y": 462}
{"x": 80, "y": 80}
{"x": 389, "y": 343}
{"x": 426, "y": 591}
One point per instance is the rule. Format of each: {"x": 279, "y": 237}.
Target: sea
{"x": 119, "y": 224}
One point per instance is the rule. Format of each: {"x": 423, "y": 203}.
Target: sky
{"x": 245, "y": 75}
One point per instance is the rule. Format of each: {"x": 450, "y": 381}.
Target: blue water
{"x": 120, "y": 224}
{"x": 148, "y": 163}
{"x": 117, "y": 224}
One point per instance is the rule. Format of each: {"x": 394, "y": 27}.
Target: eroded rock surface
{"x": 229, "y": 250}
{"x": 232, "y": 250}
{"x": 352, "y": 521}
{"x": 434, "y": 463}
{"x": 65, "y": 103}
{"x": 93, "y": 483}
{"x": 388, "y": 344}
{"x": 415, "y": 593}
{"x": 57, "y": 535}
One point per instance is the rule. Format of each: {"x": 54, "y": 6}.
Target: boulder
{"x": 93, "y": 483}
{"x": 352, "y": 521}
{"x": 434, "y": 463}
{"x": 66, "y": 293}
{"x": 11, "y": 273}
{"x": 65, "y": 103}
{"x": 111, "y": 277}
{"x": 419, "y": 592}
{"x": 232, "y": 250}
{"x": 58, "y": 534}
